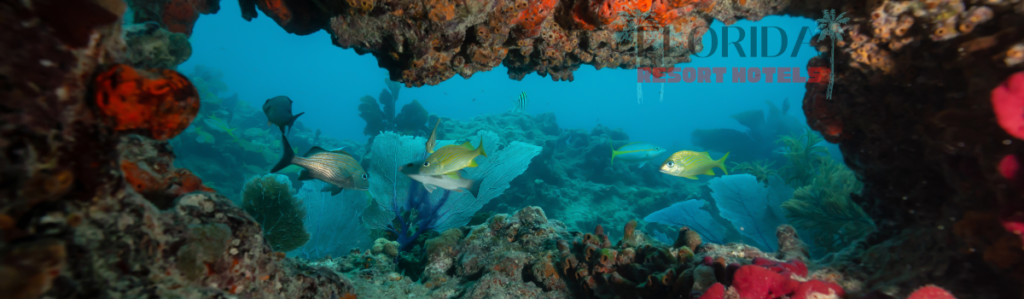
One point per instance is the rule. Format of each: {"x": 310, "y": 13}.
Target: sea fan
{"x": 691, "y": 214}
{"x": 754, "y": 209}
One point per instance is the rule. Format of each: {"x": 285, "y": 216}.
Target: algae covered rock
{"x": 149, "y": 46}
{"x": 269, "y": 200}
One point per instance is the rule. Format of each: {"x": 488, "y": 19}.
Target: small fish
{"x": 520, "y": 105}
{"x": 202, "y": 136}
{"x": 433, "y": 137}
{"x": 215, "y": 123}
{"x": 451, "y": 158}
{"x": 279, "y": 112}
{"x": 452, "y": 181}
{"x": 254, "y": 132}
{"x": 336, "y": 168}
{"x": 637, "y": 152}
{"x": 689, "y": 164}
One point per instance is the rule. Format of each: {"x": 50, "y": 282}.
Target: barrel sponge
{"x": 269, "y": 200}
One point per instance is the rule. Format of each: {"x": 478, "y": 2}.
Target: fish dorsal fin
{"x": 628, "y": 144}
{"x": 314, "y": 150}
{"x": 340, "y": 151}
{"x": 466, "y": 144}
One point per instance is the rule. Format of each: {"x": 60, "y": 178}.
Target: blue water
{"x": 260, "y": 60}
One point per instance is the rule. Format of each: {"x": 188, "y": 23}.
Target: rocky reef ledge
{"x": 526, "y": 255}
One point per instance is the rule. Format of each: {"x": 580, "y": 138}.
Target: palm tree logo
{"x": 831, "y": 26}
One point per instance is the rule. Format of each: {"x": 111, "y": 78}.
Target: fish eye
{"x": 426, "y": 163}
{"x": 364, "y": 176}
{"x": 669, "y": 163}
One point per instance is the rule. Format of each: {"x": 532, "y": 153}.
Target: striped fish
{"x": 689, "y": 164}
{"x": 520, "y": 105}
{"x": 451, "y": 158}
{"x": 336, "y": 168}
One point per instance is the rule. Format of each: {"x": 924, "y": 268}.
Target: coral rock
{"x": 158, "y": 103}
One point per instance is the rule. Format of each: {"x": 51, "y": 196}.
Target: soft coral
{"x": 428, "y": 214}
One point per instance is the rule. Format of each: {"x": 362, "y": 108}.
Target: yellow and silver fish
{"x": 520, "y": 105}
{"x": 336, "y": 168}
{"x": 689, "y": 164}
{"x": 451, "y": 158}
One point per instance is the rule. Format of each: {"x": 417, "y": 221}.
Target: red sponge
{"x": 1008, "y": 105}
{"x": 930, "y": 292}
{"x": 816, "y": 286}
{"x": 716, "y": 291}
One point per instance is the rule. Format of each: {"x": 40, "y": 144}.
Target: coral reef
{"x": 175, "y": 15}
{"x": 602, "y": 192}
{"x": 412, "y": 120}
{"x": 440, "y": 210}
{"x": 925, "y": 165}
{"x": 70, "y": 222}
{"x": 527, "y": 255}
{"x": 150, "y": 46}
{"x": 912, "y": 111}
{"x": 824, "y": 209}
{"x": 269, "y": 200}
{"x": 229, "y": 141}
{"x": 429, "y": 42}
{"x": 757, "y": 142}
{"x": 148, "y": 168}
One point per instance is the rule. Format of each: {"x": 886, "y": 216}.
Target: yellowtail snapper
{"x": 637, "y": 152}
{"x": 337, "y": 168}
{"x": 689, "y": 164}
{"x": 450, "y": 158}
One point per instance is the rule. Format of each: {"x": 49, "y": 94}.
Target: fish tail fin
{"x": 613, "y": 150}
{"x": 291, "y": 122}
{"x": 721, "y": 163}
{"x": 286, "y": 159}
{"x": 474, "y": 187}
{"x": 481, "y": 147}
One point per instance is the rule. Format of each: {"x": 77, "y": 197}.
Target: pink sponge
{"x": 755, "y": 282}
{"x": 716, "y": 291}
{"x": 930, "y": 292}
{"x": 807, "y": 289}
{"x": 1008, "y": 105}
